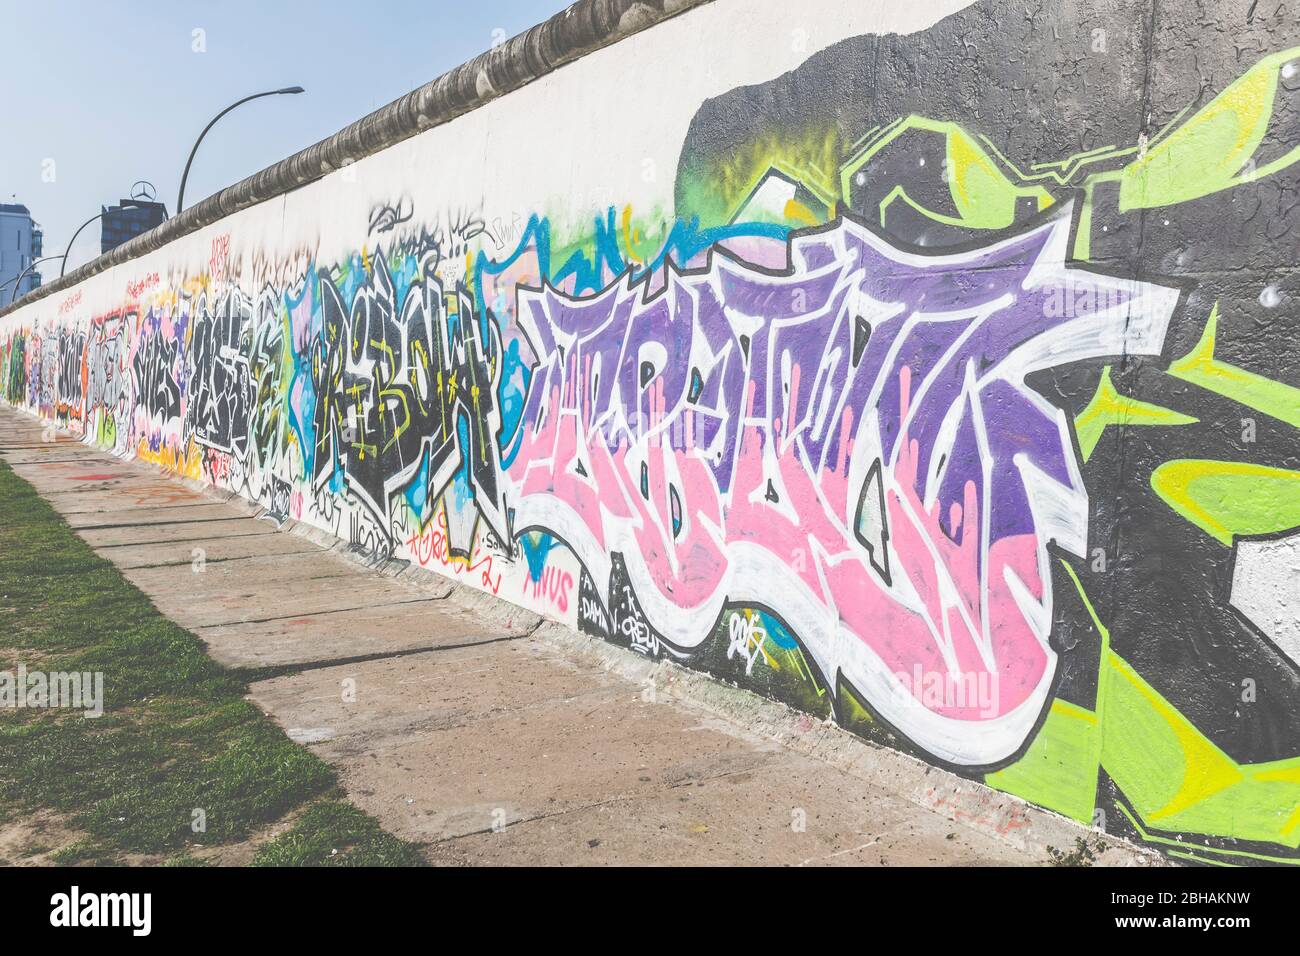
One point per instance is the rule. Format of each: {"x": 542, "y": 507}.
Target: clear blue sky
{"x": 112, "y": 91}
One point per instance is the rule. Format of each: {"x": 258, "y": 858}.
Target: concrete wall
{"x": 925, "y": 365}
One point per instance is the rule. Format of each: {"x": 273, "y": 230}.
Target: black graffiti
{"x": 593, "y": 619}
{"x": 154, "y": 368}
{"x": 268, "y": 416}
{"x": 386, "y": 218}
{"x": 219, "y": 389}
{"x": 278, "y": 504}
{"x": 629, "y": 625}
{"x": 68, "y": 390}
{"x": 404, "y": 392}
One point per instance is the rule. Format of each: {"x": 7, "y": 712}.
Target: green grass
{"x": 177, "y": 746}
{"x": 335, "y": 833}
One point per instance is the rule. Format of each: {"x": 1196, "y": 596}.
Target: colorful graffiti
{"x": 868, "y": 410}
{"x": 982, "y": 447}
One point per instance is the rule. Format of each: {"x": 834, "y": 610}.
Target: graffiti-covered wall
{"x": 929, "y": 366}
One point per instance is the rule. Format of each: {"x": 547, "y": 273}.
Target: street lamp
{"x": 180, "y": 199}
{"x": 18, "y": 282}
{"x": 126, "y": 204}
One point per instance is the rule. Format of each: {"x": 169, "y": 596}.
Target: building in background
{"x": 20, "y": 246}
{"x": 128, "y": 219}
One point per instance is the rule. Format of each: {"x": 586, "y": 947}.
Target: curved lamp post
{"x": 129, "y": 204}
{"x": 180, "y": 199}
{"x": 18, "y": 282}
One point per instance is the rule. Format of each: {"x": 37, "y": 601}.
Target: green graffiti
{"x": 1059, "y": 769}
{"x": 1172, "y": 775}
{"x": 1202, "y": 369}
{"x": 105, "y": 429}
{"x": 1229, "y": 499}
{"x": 1064, "y": 170}
{"x": 13, "y": 371}
{"x": 1213, "y": 150}
{"x": 984, "y": 197}
{"x": 1108, "y": 407}
{"x": 755, "y": 647}
{"x": 1182, "y": 853}
{"x": 809, "y": 157}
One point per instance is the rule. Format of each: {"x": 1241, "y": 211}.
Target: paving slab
{"x": 48, "y": 455}
{"x": 206, "y": 550}
{"x": 222, "y": 577}
{"x": 567, "y": 741}
{"x": 446, "y": 688}
{"x": 96, "y": 504}
{"x": 109, "y": 517}
{"x": 141, "y": 489}
{"x": 32, "y": 445}
{"x": 283, "y": 600}
{"x": 78, "y": 467}
{"x": 319, "y": 638}
{"x": 789, "y": 813}
{"x": 167, "y": 532}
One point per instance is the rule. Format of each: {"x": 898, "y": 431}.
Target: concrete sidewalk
{"x": 492, "y": 737}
